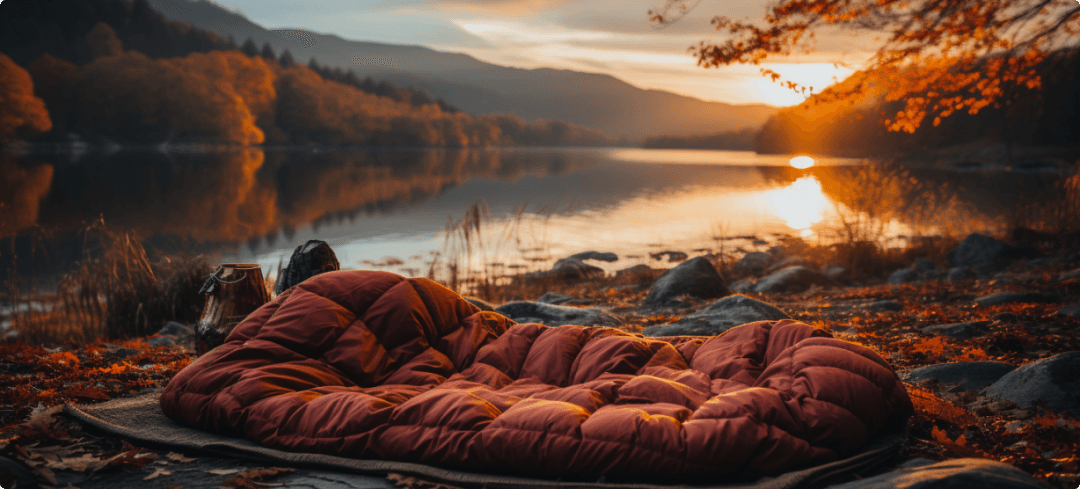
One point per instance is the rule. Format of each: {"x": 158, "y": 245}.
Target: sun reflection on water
{"x": 802, "y": 162}
{"x": 801, "y": 204}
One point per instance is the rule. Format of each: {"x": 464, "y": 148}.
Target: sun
{"x": 816, "y": 75}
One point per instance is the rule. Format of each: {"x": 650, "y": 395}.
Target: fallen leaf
{"x": 157, "y": 472}
{"x": 223, "y": 471}
{"x": 178, "y": 457}
{"x": 78, "y": 464}
{"x": 41, "y": 417}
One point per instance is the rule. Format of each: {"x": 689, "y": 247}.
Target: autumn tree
{"x": 103, "y": 41}
{"x": 54, "y": 81}
{"x": 249, "y": 48}
{"x": 936, "y": 56}
{"x": 21, "y": 113}
{"x": 131, "y": 98}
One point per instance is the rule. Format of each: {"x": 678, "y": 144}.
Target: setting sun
{"x": 815, "y": 76}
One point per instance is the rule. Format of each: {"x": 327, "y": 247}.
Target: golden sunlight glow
{"x": 800, "y": 204}
{"x": 802, "y": 162}
{"x": 810, "y": 75}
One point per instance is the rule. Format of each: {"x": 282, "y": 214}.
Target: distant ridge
{"x": 598, "y": 101}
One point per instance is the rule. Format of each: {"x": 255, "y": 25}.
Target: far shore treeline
{"x": 122, "y": 73}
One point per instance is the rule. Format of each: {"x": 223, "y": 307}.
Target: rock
{"x": 697, "y": 277}
{"x": 971, "y": 376}
{"x": 672, "y": 256}
{"x": 957, "y": 274}
{"x": 777, "y": 251}
{"x": 752, "y": 263}
{"x": 934, "y": 275}
{"x": 482, "y": 304}
{"x": 552, "y": 315}
{"x": 1073, "y": 275}
{"x": 951, "y": 474}
{"x": 1016, "y": 278}
{"x": 881, "y": 306}
{"x": 159, "y": 341}
{"x": 569, "y": 269}
{"x": 635, "y": 271}
{"x": 718, "y": 317}
{"x": 122, "y": 353}
{"x": 1054, "y": 381}
{"x": 561, "y": 299}
{"x": 759, "y": 242}
{"x": 742, "y": 286}
{"x": 903, "y": 276}
{"x": 177, "y": 329}
{"x": 986, "y": 253}
{"x": 1073, "y": 311}
{"x": 14, "y": 474}
{"x": 595, "y": 255}
{"x": 1013, "y": 297}
{"x": 922, "y": 265}
{"x": 960, "y": 331}
{"x": 788, "y": 262}
{"x": 836, "y": 273}
{"x": 793, "y": 279}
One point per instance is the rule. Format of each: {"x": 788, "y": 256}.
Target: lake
{"x": 389, "y": 209}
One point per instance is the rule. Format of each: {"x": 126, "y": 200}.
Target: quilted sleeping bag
{"x": 374, "y": 365}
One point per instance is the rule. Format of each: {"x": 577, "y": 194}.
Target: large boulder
{"x": 960, "y": 473}
{"x": 960, "y": 331}
{"x": 792, "y": 279}
{"x": 696, "y": 277}
{"x": 986, "y": 253}
{"x": 1054, "y": 381}
{"x": 718, "y": 317}
{"x": 552, "y": 315}
{"x": 752, "y": 263}
{"x": 968, "y": 376}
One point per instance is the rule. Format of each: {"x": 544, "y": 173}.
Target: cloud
{"x": 497, "y": 7}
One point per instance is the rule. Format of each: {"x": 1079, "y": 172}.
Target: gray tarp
{"x": 140, "y": 418}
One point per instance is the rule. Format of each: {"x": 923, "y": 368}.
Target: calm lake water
{"x": 389, "y": 209}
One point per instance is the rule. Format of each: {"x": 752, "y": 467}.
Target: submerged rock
{"x": 552, "y": 315}
{"x": 595, "y": 255}
{"x": 970, "y": 376}
{"x": 718, "y": 317}
{"x": 1053, "y": 381}
{"x": 696, "y": 277}
{"x": 793, "y": 279}
{"x": 672, "y": 256}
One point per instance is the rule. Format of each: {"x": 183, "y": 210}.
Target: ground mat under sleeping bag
{"x": 140, "y": 419}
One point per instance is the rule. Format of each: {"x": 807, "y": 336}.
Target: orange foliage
{"x": 938, "y": 56}
{"x": 131, "y": 97}
{"x": 21, "y": 191}
{"x": 21, "y": 113}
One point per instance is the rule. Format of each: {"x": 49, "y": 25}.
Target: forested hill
{"x": 1047, "y": 117}
{"x": 109, "y": 70}
{"x": 598, "y": 101}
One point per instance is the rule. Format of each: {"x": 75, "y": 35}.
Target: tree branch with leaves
{"x": 937, "y": 56}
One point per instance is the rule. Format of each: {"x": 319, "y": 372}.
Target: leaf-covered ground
{"x": 949, "y": 423}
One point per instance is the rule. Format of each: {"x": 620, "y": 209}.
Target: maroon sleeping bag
{"x": 373, "y": 365}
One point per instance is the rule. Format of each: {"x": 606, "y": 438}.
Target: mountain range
{"x": 597, "y": 101}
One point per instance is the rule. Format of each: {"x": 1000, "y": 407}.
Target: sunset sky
{"x": 599, "y": 36}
